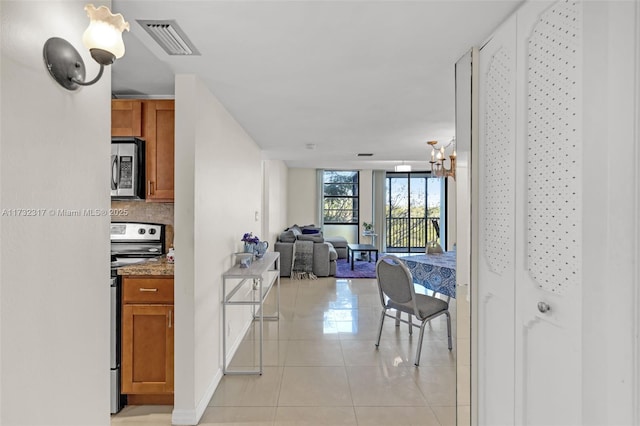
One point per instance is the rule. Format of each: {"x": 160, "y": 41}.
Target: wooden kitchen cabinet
{"x": 148, "y": 319}
{"x": 153, "y": 121}
{"x": 126, "y": 117}
{"x": 158, "y": 132}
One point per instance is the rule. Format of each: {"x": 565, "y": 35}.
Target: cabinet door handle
{"x": 149, "y": 290}
{"x": 149, "y": 187}
{"x": 170, "y": 317}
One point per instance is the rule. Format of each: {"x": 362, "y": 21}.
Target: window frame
{"x": 444, "y": 198}
{"x": 355, "y": 199}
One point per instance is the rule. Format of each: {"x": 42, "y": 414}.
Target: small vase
{"x": 249, "y": 248}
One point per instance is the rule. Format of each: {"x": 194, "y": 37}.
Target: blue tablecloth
{"x": 435, "y": 272}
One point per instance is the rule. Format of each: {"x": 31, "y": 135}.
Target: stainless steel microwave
{"x": 127, "y": 168}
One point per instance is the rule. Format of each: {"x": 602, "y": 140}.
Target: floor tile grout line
{"x": 288, "y": 334}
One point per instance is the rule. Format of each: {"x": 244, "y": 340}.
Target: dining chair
{"x": 396, "y": 288}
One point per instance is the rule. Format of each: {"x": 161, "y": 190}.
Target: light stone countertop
{"x": 154, "y": 266}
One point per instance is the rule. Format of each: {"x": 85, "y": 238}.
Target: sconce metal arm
{"x": 89, "y": 83}
{"x": 66, "y": 66}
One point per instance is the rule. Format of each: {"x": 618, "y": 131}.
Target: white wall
{"x": 218, "y": 179}
{"x": 303, "y": 200}
{"x": 303, "y": 197}
{"x": 54, "y": 287}
{"x": 276, "y": 195}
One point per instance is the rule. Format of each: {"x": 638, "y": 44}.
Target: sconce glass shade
{"x": 104, "y": 34}
{"x": 103, "y": 38}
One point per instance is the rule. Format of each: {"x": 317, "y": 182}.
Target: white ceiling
{"x": 347, "y": 76}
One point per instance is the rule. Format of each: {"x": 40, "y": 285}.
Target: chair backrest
{"x": 436, "y": 226}
{"x": 394, "y": 280}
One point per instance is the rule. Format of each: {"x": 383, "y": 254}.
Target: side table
{"x": 364, "y": 248}
{"x": 259, "y": 279}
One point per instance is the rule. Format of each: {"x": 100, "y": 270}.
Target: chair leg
{"x": 449, "y": 329}
{"x": 410, "y": 324}
{"x": 384, "y": 311}
{"x": 398, "y": 316}
{"x": 419, "y": 350}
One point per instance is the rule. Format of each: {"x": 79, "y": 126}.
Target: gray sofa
{"x": 324, "y": 255}
{"x": 340, "y": 244}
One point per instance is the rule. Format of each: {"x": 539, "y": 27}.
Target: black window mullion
{"x": 338, "y": 189}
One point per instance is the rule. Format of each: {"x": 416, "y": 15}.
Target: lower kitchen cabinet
{"x": 147, "y": 339}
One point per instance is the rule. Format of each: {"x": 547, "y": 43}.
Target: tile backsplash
{"x": 141, "y": 211}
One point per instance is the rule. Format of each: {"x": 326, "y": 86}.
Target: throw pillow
{"x": 310, "y": 230}
{"x": 295, "y": 229}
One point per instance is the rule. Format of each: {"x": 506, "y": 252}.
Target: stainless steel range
{"x": 131, "y": 243}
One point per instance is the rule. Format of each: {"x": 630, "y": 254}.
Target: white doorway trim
{"x": 636, "y": 355}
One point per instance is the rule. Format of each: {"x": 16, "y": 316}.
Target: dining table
{"x": 435, "y": 272}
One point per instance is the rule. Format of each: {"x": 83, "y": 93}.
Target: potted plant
{"x": 367, "y": 227}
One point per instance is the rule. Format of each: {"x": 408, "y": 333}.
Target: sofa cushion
{"x": 316, "y": 238}
{"x": 333, "y": 254}
{"x": 337, "y": 242}
{"x": 295, "y": 229}
{"x": 287, "y": 237}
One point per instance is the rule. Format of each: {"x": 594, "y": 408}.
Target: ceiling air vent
{"x": 170, "y": 37}
{"x": 365, "y": 154}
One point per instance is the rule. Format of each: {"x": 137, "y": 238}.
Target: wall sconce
{"x": 437, "y": 160}
{"x": 103, "y": 38}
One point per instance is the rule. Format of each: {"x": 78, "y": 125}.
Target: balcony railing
{"x": 410, "y": 234}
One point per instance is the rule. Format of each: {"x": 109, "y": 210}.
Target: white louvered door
{"x": 529, "y": 306}
{"x": 549, "y": 214}
{"x": 496, "y": 242}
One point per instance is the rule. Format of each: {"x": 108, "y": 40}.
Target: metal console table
{"x": 251, "y": 286}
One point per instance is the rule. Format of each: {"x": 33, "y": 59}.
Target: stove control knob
{"x": 141, "y": 231}
{"x": 152, "y": 231}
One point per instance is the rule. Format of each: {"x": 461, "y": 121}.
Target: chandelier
{"x": 438, "y": 168}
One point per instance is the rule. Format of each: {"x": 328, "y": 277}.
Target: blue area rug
{"x": 361, "y": 269}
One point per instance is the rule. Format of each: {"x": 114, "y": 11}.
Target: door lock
{"x": 543, "y": 307}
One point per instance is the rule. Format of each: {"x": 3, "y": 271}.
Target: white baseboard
{"x": 191, "y": 417}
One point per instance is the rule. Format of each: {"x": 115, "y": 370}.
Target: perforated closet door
{"x": 549, "y": 215}
{"x": 496, "y": 242}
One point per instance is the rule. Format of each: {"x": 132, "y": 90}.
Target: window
{"x": 415, "y": 211}
{"x": 341, "y": 203}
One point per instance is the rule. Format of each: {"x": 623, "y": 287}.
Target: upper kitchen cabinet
{"x": 158, "y": 132}
{"x": 126, "y": 117}
{"x": 153, "y": 121}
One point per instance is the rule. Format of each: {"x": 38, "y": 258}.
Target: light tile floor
{"x": 322, "y": 367}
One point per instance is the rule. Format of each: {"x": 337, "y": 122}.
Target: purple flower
{"x": 250, "y": 239}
